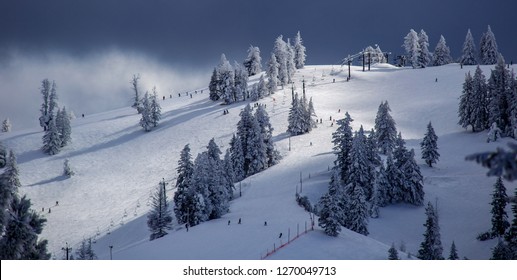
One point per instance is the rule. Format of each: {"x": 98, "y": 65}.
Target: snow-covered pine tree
{"x": 237, "y": 158}
{"x": 342, "y": 140}
{"x": 413, "y": 180}
{"x": 218, "y": 186}
{"x": 256, "y": 153}
{"x": 499, "y": 217}
{"x": 502, "y": 252}
{"x": 465, "y": 108}
{"x": 357, "y": 209}
{"x": 67, "y": 170}
{"x": 494, "y": 133}
{"x": 20, "y": 238}
{"x": 227, "y": 80}
{"x": 49, "y": 103}
{"x": 442, "y": 53}
{"x": 499, "y": 96}
{"x": 330, "y": 215}
{"x": 201, "y": 180}
{"x": 243, "y": 130}
{"x": 291, "y": 66}
{"x": 393, "y": 253}
{"x": 9, "y": 185}
{"x": 262, "y": 90}
{"x": 453, "y": 255}
{"x": 395, "y": 180}
{"x": 511, "y": 234}
{"x": 181, "y": 196}
{"x": 229, "y": 173}
{"x": 155, "y": 108}
{"x": 272, "y": 74}
{"x": 396, "y": 176}
{"x": 253, "y": 63}
{"x": 372, "y": 149}
{"x": 137, "y": 99}
{"x": 159, "y": 220}
{"x": 381, "y": 187}
{"x": 385, "y": 129}
{"x": 241, "y": 82}
{"x": 63, "y": 127}
{"x": 469, "y": 56}
{"x": 281, "y": 54}
{"x": 85, "y": 251}
{"x": 296, "y": 117}
{"x": 51, "y": 139}
{"x": 424, "y": 56}
{"x": 266, "y": 129}
{"x": 361, "y": 172}
{"x": 6, "y": 125}
{"x": 313, "y": 118}
{"x": 299, "y": 51}
{"x": 254, "y": 94}
{"x": 3, "y": 155}
{"x": 146, "y": 121}
{"x": 431, "y": 248}
{"x": 214, "y": 86}
{"x": 488, "y": 53}
{"x": 478, "y": 102}
{"x": 429, "y": 146}
{"x": 412, "y": 48}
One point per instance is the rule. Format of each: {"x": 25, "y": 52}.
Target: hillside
{"x": 118, "y": 165}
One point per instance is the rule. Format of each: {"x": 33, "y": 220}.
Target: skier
{"x": 239, "y": 221}
{"x": 228, "y": 222}
{"x": 57, "y": 203}
{"x": 49, "y": 210}
{"x": 265, "y": 223}
{"x": 186, "y": 226}
{"x": 280, "y": 236}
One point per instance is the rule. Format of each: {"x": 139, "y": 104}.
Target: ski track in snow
{"x": 118, "y": 165}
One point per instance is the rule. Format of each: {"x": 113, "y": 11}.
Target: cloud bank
{"x": 88, "y": 84}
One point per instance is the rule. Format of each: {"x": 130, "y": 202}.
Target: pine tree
{"x": 299, "y": 51}
{"x": 488, "y": 53}
{"x": 241, "y": 82}
{"x": 499, "y": 96}
{"x": 499, "y": 217}
{"x": 494, "y": 133}
{"x": 226, "y": 80}
{"x": 9, "y": 185}
{"x": 6, "y": 125}
{"x": 511, "y": 234}
{"x": 431, "y": 247}
{"x": 382, "y": 188}
{"x": 256, "y": 153}
{"x": 424, "y": 57}
{"x": 502, "y": 251}
{"x": 442, "y": 53}
{"x": 272, "y": 74}
{"x": 159, "y": 220}
{"x": 243, "y": 130}
{"x": 469, "y": 56}
{"x": 395, "y": 180}
{"x": 51, "y": 139}
{"x": 413, "y": 187}
{"x": 237, "y": 158}
{"x": 290, "y": 63}
{"x": 281, "y": 54}
{"x": 393, "y": 253}
{"x": 85, "y": 251}
{"x": 155, "y": 108}
{"x": 3, "y": 155}
{"x": 465, "y": 107}
{"x": 181, "y": 196}
{"x": 453, "y": 255}
{"x": 262, "y": 90}
{"x": 412, "y": 47}
{"x": 361, "y": 172}
{"x": 266, "y": 129}
{"x": 342, "y": 140}
{"x": 313, "y": 118}
{"x": 213, "y": 86}
{"x": 67, "y": 170}
{"x": 372, "y": 149}
{"x": 357, "y": 209}
{"x": 229, "y": 173}
{"x": 385, "y": 129}
{"x": 296, "y": 118}
{"x": 478, "y": 102}
{"x": 137, "y": 99}
{"x": 429, "y": 146}
{"x": 146, "y": 121}
{"x": 330, "y": 215}
{"x": 45, "y": 114}
{"x": 218, "y": 187}
{"x": 63, "y": 127}
{"x": 253, "y": 62}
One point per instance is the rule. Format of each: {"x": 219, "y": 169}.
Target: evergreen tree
{"x": 146, "y": 121}
{"x": 262, "y": 90}
{"x": 442, "y": 53}
{"x": 499, "y": 96}
{"x": 3, "y": 155}
{"x": 502, "y": 252}
{"x": 395, "y": 180}
{"x": 181, "y": 196}
{"x": 6, "y": 125}
{"x": 465, "y": 107}
{"x": 241, "y": 82}
{"x": 424, "y": 57}
{"x": 63, "y": 127}
{"x": 469, "y": 56}
{"x": 330, "y": 215}
{"x": 281, "y": 53}
{"x": 342, "y": 140}
{"x": 499, "y": 217}
{"x": 67, "y": 170}
{"x": 511, "y": 234}
{"x": 243, "y": 130}
{"x": 361, "y": 172}
{"x": 85, "y": 251}
{"x": 393, "y": 253}
{"x": 155, "y": 108}
{"x": 159, "y": 220}
{"x": 372, "y": 149}
{"x": 137, "y": 99}
{"x": 256, "y": 153}
{"x": 412, "y": 47}
{"x": 237, "y": 158}
{"x": 266, "y": 129}
{"x": 226, "y": 80}
{"x": 9, "y": 185}
{"x": 453, "y": 255}
{"x": 385, "y": 130}
{"x": 299, "y": 51}
{"x": 357, "y": 210}
{"x": 51, "y": 139}
{"x": 290, "y": 63}
{"x": 494, "y": 133}
{"x": 431, "y": 247}
{"x": 429, "y": 146}
{"x": 253, "y": 63}
{"x": 218, "y": 186}
{"x": 382, "y": 187}
{"x": 272, "y": 74}
{"x": 296, "y": 118}
{"x": 213, "y": 86}
{"x": 478, "y": 102}
{"x": 313, "y": 118}
{"x": 47, "y": 105}
{"x": 229, "y": 173}
{"x": 488, "y": 53}
{"x": 413, "y": 180}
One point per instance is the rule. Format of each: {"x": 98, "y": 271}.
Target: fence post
{"x": 288, "y": 235}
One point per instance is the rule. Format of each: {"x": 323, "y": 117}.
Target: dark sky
{"x": 196, "y": 32}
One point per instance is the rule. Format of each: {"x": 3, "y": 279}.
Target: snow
{"x": 117, "y": 166}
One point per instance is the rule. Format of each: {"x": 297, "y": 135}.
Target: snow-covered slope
{"x": 118, "y": 165}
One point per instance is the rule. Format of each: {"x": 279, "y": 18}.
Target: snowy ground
{"x": 118, "y": 165}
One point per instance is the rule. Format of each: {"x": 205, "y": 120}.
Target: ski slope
{"x": 118, "y": 166}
